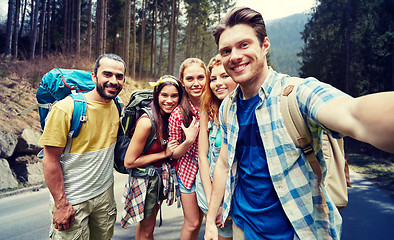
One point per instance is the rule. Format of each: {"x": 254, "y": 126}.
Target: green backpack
{"x": 139, "y": 104}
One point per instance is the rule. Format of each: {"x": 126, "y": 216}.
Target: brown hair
{"x": 209, "y": 102}
{"x": 186, "y": 109}
{"x": 242, "y": 15}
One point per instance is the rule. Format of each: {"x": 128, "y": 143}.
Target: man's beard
{"x": 103, "y": 94}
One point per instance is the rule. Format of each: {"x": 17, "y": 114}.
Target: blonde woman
{"x": 218, "y": 86}
{"x": 184, "y": 127}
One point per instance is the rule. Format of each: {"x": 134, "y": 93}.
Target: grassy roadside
{"x": 378, "y": 170}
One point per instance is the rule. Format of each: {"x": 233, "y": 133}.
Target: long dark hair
{"x": 161, "y": 122}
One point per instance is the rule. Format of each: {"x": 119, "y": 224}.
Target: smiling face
{"x": 244, "y": 58}
{"x": 109, "y": 79}
{"x": 168, "y": 99}
{"x": 193, "y": 80}
{"x": 220, "y": 82}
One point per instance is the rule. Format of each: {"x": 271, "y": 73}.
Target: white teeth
{"x": 239, "y": 67}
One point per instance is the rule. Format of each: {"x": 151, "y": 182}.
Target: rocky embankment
{"x": 19, "y": 165}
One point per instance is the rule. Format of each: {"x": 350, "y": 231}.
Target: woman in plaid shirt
{"x": 183, "y": 127}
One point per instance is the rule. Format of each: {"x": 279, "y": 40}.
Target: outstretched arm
{"x": 369, "y": 118}
{"x": 64, "y": 214}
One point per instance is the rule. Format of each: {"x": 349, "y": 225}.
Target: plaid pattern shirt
{"x": 187, "y": 168}
{"x": 134, "y": 195}
{"x": 292, "y": 177}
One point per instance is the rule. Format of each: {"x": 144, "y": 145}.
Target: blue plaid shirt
{"x": 292, "y": 177}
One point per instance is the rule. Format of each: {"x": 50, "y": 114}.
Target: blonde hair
{"x": 209, "y": 102}
{"x": 187, "y": 63}
{"x": 186, "y": 112}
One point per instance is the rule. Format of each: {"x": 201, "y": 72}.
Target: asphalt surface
{"x": 368, "y": 216}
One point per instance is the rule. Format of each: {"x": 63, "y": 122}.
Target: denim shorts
{"x": 182, "y": 187}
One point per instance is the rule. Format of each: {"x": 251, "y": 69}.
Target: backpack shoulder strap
{"x": 152, "y": 135}
{"x": 119, "y": 104}
{"x": 226, "y": 107}
{"x": 295, "y": 124}
{"x": 296, "y": 127}
{"x": 79, "y": 114}
{"x": 291, "y": 114}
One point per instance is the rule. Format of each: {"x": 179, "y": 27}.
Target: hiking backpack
{"x": 337, "y": 177}
{"x": 60, "y": 83}
{"x": 139, "y": 104}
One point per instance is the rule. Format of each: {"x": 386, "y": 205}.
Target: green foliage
{"x": 378, "y": 170}
{"x": 349, "y": 45}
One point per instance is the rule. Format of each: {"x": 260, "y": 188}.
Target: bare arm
{"x": 369, "y": 118}
{"x": 133, "y": 157}
{"x": 191, "y": 134}
{"x": 203, "y": 165}
{"x": 218, "y": 188}
{"x": 64, "y": 214}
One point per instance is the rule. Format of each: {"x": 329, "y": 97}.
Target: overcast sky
{"x": 273, "y": 9}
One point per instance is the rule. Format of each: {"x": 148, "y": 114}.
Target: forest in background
{"x": 153, "y": 36}
{"x": 346, "y": 43}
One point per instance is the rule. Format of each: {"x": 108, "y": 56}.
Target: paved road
{"x": 369, "y": 215}
{"x": 171, "y": 215}
{"x": 370, "y": 212}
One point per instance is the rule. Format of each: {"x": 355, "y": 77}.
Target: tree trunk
{"x": 48, "y": 25}
{"x": 33, "y": 32}
{"x": 105, "y": 25}
{"x": 10, "y": 23}
{"x": 100, "y": 27}
{"x": 23, "y": 19}
{"x": 174, "y": 39}
{"x": 65, "y": 27}
{"x": 78, "y": 29}
{"x": 15, "y": 38}
{"x": 152, "y": 42}
{"x": 170, "y": 68}
{"x": 155, "y": 40}
{"x": 126, "y": 53}
{"x": 348, "y": 32}
{"x": 71, "y": 45}
{"x": 392, "y": 56}
{"x": 143, "y": 18}
{"x": 161, "y": 40}
{"x": 134, "y": 55}
{"x": 42, "y": 29}
{"x": 89, "y": 29}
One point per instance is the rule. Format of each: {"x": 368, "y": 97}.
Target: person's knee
{"x": 147, "y": 231}
{"x": 193, "y": 224}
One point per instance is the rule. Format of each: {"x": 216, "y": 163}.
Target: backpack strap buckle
{"x": 84, "y": 118}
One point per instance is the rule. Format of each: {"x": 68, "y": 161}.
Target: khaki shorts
{"x": 94, "y": 219}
